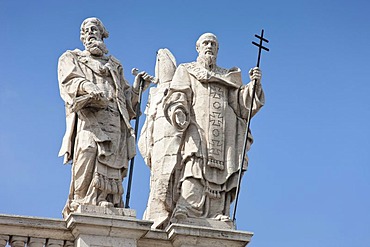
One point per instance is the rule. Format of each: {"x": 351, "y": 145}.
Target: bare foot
{"x": 181, "y": 214}
{"x": 221, "y": 217}
{"x": 73, "y": 206}
{"x": 106, "y": 204}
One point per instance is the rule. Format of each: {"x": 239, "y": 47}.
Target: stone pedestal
{"x": 103, "y": 227}
{"x": 204, "y": 222}
{"x": 195, "y": 236}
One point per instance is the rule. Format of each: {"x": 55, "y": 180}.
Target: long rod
{"x": 245, "y": 143}
{"x": 246, "y": 136}
{"x": 132, "y": 161}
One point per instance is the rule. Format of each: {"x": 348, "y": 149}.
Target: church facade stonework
{"x": 102, "y": 229}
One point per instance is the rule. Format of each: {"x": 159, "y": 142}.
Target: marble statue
{"x": 158, "y": 143}
{"x": 99, "y": 104}
{"x": 193, "y": 136}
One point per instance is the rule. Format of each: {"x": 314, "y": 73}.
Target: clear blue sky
{"x": 308, "y": 182}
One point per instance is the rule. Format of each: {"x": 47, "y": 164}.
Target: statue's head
{"x": 92, "y": 35}
{"x": 207, "y": 48}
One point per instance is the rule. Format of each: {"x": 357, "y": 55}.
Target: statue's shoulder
{"x": 224, "y": 71}
{"x": 234, "y": 69}
{"x": 114, "y": 60}
{"x": 186, "y": 68}
{"x": 189, "y": 65}
{"x": 220, "y": 70}
{"x": 72, "y": 53}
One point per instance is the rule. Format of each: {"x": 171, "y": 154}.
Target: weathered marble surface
{"x": 193, "y": 136}
{"x": 82, "y": 229}
{"x": 34, "y": 231}
{"x": 158, "y": 143}
{"x": 99, "y": 104}
{"x": 106, "y": 230}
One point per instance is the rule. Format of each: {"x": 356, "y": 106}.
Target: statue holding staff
{"x": 206, "y": 108}
{"x": 99, "y": 104}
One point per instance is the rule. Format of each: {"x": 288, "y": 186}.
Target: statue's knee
{"x": 191, "y": 186}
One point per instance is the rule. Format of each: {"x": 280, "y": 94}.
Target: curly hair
{"x": 98, "y": 23}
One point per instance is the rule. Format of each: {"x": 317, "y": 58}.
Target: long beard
{"x": 207, "y": 60}
{"x": 96, "y": 47}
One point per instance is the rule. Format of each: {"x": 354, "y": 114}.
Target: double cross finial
{"x": 260, "y": 46}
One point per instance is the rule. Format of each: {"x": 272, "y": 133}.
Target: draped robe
{"x": 216, "y": 105}
{"x": 99, "y": 139}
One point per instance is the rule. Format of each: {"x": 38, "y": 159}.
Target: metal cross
{"x": 260, "y": 46}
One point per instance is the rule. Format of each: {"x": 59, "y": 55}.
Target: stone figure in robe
{"x": 99, "y": 104}
{"x": 158, "y": 143}
{"x": 196, "y": 154}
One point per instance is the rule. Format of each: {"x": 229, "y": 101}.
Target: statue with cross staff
{"x": 206, "y": 110}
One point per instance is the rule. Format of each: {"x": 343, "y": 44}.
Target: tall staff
{"x": 260, "y": 47}
{"x": 135, "y": 71}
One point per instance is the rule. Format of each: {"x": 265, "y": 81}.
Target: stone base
{"x": 83, "y": 230}
{"x": 212, "y": 223}
{"x": 103, "y": 227}
{"x": 97, "y": 210}
{"x": 195, "y": 236}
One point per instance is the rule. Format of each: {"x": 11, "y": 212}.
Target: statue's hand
{"x": 94, "y": 91}
{"x": 147, "y": 80}
{"x": 255, "y": 74}
{"x": 97, "y": 96}
{"x": 180, "y": 119}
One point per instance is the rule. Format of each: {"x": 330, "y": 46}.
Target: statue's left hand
{"x": 147, "y": 80}
{"x": 255, "y": 74}
{"x": 180, "y": 119}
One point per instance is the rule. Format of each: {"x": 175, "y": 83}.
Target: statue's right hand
{"x": 94, "y": 91}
